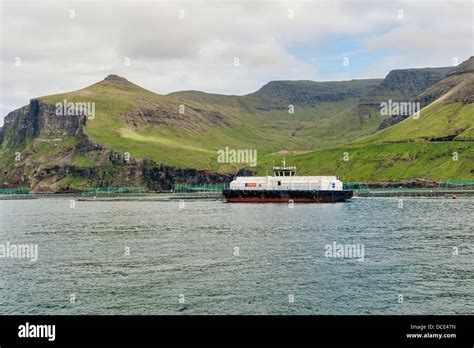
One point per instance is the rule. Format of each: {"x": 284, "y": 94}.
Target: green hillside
{"x": 437, "y": 121}
{"x": 439, "y": 144}
{"x": 325, "y": 128}
{"x": 450, "y": 116}
{"x": 386, "y": 162}
{"x": 148, "y": 125}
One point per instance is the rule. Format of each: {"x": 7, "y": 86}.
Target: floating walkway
{"x": 139, "y": 194}
{"x": 154, "y": 197}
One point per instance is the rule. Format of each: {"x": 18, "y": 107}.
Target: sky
{"x": 225, "y": 47}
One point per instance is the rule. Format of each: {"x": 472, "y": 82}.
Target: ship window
{"x": 279, "y": 183}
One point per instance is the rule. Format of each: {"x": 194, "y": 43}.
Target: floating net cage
{"x": 356, "y": 186}
{"x": 16, "y": 192}
{"x": 114, "y": 191}
{"x": 460, "y": 184}
{"x": 184, "y": 187}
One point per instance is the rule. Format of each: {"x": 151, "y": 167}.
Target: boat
{"x": 286, "y": 186}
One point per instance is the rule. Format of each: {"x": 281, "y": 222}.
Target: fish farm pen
{"x": 16, "y": 193}
{"x": 189, "y": 188}
{"x": 198, "y": 191}
{"x": 457, "y": 184}
{"x": 445, "y": 188}
{"x": 180, "y": 191}
{"x": 113, "y": 191}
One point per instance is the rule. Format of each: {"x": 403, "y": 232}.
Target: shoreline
{"x": 217, "y": 195}
{"x": 398, "y": 184}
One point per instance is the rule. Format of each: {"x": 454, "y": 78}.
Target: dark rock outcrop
{"x": 459, "y": 82}
{"x": 39, "y": 121}
{"x": 401, "y": 86}
{"x": 280, "y": 94}
{"x": 415, "y": 183}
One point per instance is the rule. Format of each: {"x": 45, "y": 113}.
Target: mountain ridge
{"x": 139, "y": 137}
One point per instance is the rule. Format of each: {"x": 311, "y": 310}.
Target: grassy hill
{"x": 386, "y": 162}
{"x": 327, "y": 133}
{"x": 450, "y": 116}
{"x": 439, "y": 144}
{"x": 145, "y": 124}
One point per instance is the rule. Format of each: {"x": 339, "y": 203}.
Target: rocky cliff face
{"x": 409, "y": 83}
{"x": 459, "y": 82}
{"x": 37, "y": 128}
{"x": 123, "y": 173}
{"x": 399, "y": 86}
{"x": 280, "y": 94}
{"x": 39, "y": 119}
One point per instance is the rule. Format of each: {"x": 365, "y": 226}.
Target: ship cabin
{"x": 284, "y": 170}
{"x": 288, "y": 171}
{"x": 284, "y": 178}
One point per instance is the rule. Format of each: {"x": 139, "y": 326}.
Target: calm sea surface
{"x": 150, "y": 257}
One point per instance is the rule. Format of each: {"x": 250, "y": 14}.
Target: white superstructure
{"x": 285, "y": 178}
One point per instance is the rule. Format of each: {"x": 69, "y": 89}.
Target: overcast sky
{"x": 49, "y": 47}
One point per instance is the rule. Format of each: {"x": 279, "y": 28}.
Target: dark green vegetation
{"x": 314, "y": 124}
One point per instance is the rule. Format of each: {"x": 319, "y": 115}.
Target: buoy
{"x": 453, "y": 196}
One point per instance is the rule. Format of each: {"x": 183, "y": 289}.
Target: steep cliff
{"x": 458, "y": 86}
{"x": 50, "y": 152}
{"x": 402, "y": 86}
{"x": 280, "y": 94}
{"x": 448, "y": 116}
{"x": 39, "y": 119}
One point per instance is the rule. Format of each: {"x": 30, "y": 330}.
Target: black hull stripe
{"x": 287, "y": 195}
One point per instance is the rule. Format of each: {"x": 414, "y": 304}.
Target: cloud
{"x": 168, "y": 53}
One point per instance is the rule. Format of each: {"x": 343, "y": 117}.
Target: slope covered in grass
{"x": 437, "y": 121}
{"x": 386, "y": 162}
{"x": 449, "y": 116}
{"x": 439, "y": 144}
{"x": 186, "y": 129}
